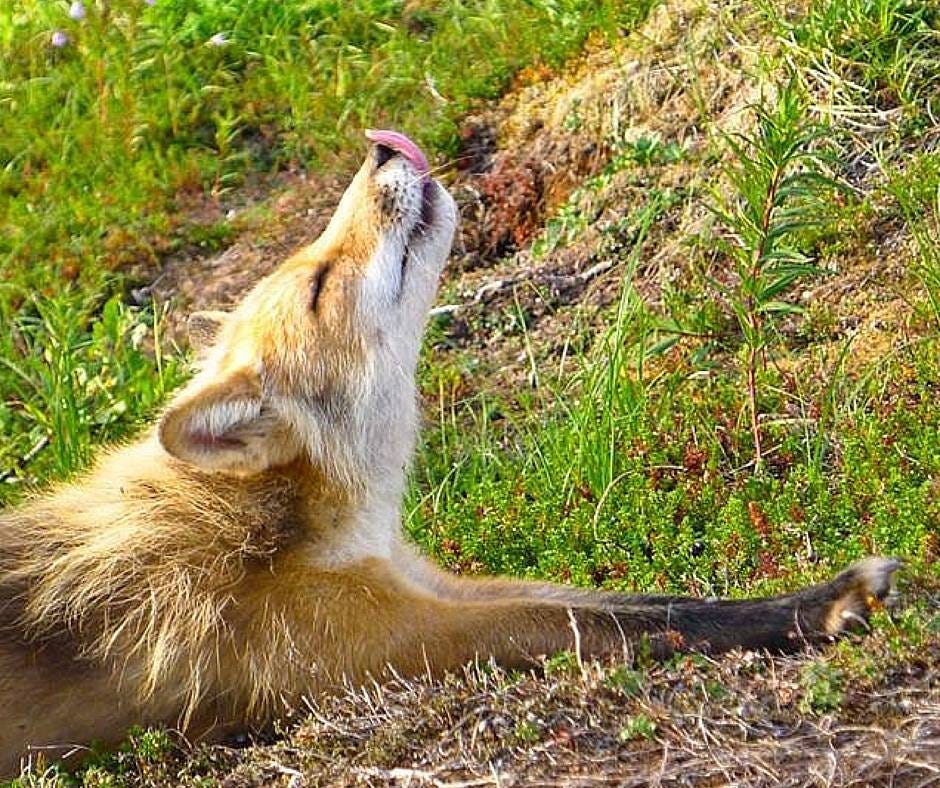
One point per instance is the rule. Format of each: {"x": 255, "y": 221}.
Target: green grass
{"x": 876, "y": 54}
{"x": 99, "y": 138}
{"x": 642, "y": 479}
{"x": 75, "y": 373}
{"x": 675, "y": 515}
{"x": 104, "y": 141}
{"x": 636, "y": 470}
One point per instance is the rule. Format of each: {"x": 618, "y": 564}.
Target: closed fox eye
{"x": 316, "y": 286}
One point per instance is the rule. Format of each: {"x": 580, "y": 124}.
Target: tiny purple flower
{"x": 150, "y": 2}
{"x": 77, "y": 10}
{"x": 59, "y": 39}
{"x": 218, "y": 40}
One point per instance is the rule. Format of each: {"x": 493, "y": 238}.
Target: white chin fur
{"x": 409, "y": 289}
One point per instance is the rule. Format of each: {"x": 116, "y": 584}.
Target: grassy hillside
{"x": 770, "y": 273}
{"x": 688, "y": 343}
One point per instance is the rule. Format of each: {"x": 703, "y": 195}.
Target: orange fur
{"x": 247, "y": 550}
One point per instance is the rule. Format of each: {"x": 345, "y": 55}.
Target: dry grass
{"x": 865, "y": 712}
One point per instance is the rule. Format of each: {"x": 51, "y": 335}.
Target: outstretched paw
{"x": 866, "y": 586}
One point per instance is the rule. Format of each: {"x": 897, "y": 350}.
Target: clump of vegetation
{"x": 139, "y": 758}
{"x": 873, "y": 57}
{"x": 76, "y": 373}
{"x": 778, "y": 192}
{"x": 638, "y": 727}
{"x": 823, "y": 688}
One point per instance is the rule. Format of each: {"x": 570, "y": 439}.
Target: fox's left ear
{"x": 225, "y": 426}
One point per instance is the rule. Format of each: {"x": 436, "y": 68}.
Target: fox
{"x": 247, "y": 550}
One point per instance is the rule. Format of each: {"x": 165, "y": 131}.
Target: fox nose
{"x": 389, "y": 144}
{"x": 383, "y": 154}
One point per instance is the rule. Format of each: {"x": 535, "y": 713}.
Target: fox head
{"x": 317, "y": 362}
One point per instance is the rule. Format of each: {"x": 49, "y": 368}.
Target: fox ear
{"x": 225, "y": 426}
{"x": 204, "y": 327}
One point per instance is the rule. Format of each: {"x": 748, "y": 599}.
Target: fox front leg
{"x": 380, "y": 621}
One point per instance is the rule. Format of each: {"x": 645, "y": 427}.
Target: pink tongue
{"x": 399, "y": 142}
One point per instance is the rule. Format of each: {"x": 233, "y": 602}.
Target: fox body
{"x": 247, "y": 550}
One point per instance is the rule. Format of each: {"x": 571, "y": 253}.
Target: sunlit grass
{"x": 144, "y": 102}
{"x": 633, "y": 471}
{"x": 114, "y": 115}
